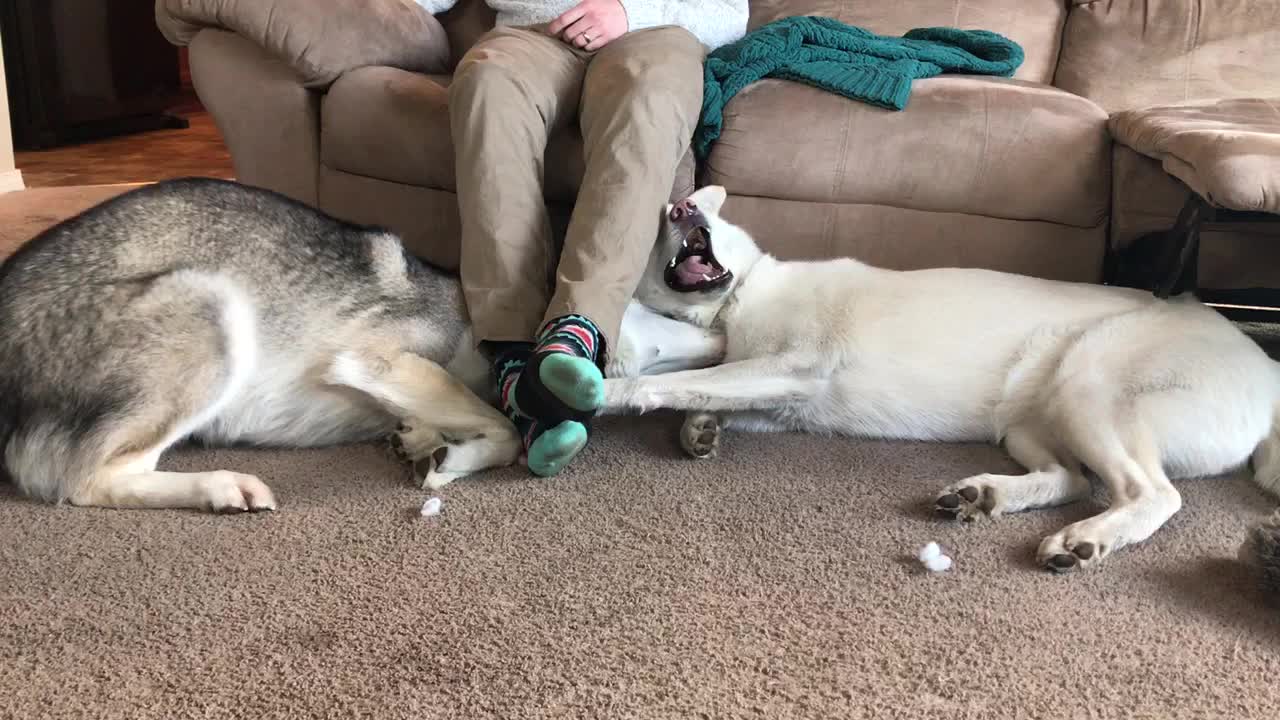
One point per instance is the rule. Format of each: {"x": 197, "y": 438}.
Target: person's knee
{"x": 662, "y": 84}
{"x": 678, "y": 44}
{"x": 483, "y": 72}
{"x": 664, "y": 58}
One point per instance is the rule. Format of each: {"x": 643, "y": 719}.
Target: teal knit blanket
{"x": 828, "y": 54}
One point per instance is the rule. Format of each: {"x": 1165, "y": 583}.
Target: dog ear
{"x": 710, "y": 198}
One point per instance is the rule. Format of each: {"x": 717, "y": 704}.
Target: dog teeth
{"x": 706, "y": 277}
{"x": 673, "y": 262}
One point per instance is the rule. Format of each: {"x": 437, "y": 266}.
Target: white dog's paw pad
{"x": 966, "y": 502}
{"x": 1061, "y": 556}
{"x": 700, "y": 436}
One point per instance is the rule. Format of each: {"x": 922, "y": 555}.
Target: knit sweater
{"x": 850, "y": 61}
{"x": 714, "y": 22}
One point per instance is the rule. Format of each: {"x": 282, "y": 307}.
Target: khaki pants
{"x": 637, "y": 101}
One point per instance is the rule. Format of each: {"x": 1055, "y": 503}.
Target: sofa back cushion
{"x": 1034, "y": 24}
{"x": 1131, "y": 54}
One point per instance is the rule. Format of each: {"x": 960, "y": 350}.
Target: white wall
{"x": 10, "y": 176}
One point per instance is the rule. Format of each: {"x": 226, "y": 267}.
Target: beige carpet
{"x": 775, "y": 582}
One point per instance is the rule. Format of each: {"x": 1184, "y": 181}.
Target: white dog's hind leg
{"x": 1142, "y": 498}
{"x": 1047, "y": 484}
{"x": 445, "y": 430}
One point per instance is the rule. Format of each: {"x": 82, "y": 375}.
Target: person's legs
{"x": 509, "y": 93}
{"x": 640, "y": 105}
{"x": 640, "y": 100}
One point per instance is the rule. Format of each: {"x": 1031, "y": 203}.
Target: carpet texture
{"x": 774, "y": 582}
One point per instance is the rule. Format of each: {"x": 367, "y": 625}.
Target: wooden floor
{"x": 144, "y": 157}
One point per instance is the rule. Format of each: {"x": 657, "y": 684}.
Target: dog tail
{"x": 8, "y": 425}
{"x": 50, "y": 461}
{"x": 6, "y": 432}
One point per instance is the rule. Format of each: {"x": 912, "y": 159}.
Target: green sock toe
{"x": 554, "y": 448}
{"x": 575, "y": 381}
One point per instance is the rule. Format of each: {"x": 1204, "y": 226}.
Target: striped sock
{"x": 549, "y": 444}
{"x": 563, "y": 379}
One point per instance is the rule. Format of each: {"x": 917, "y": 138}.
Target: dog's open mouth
{"x": 695, "y": 268}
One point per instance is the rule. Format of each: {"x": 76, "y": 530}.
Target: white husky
{"x": 1071, "y": 378}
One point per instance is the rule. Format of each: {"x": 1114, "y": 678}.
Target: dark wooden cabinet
{"x": 86, "y": 69}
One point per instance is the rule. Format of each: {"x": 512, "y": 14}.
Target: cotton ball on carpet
{"x": 431, "y": 507}
{"x": 933, "y": 559}
{"x": 941, "y": 563}
{"x": 930, "y": 551}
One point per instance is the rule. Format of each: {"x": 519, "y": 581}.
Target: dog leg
{"x": 650, "y": 344}
{"x": 446, "y": 430}
{"x": 701, "y": 433}
{"x": 1142, "y": 497}
{"x": 132, "y": 481}
{"x": 178, "y": 355}
{"x": 756, "y": 384}
{"x": 219, "y": 491}
{"x": 1048, "y": 484}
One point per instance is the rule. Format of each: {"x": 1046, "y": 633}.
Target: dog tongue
{"x": 692, "y": 268}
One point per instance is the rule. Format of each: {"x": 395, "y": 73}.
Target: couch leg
{"x": 1179, "y": 256}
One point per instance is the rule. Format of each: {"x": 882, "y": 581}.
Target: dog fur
{"x": 1073, "y": 379}
{"x": 210, "y": 310}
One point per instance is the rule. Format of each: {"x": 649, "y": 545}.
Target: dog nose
{"x": 683, "y": 209}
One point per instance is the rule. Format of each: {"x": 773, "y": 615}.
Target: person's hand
{"x": 591, "y": 24}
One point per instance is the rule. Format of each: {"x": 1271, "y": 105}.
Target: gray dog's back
{"x": 118, "y": 311}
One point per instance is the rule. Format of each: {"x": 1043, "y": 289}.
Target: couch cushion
{"x": 1128, "y": 54}
{"x": 1034, "y": 24}
{"x": 319, "y": 39}
{"x": 393, "y": 125}
{"x": 902, "y": 239}
{"x": 984, "y": 146}
{"x": 1227, "y": 151}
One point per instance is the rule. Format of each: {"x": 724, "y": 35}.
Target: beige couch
{"x": 343, "y": 104}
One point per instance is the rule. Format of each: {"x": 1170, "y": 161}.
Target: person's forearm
{"x": 714, "y": 22}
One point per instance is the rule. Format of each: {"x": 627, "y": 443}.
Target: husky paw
{"x": 231, "y": 492}
{"x": 412, "y": 443}
{"x": 1073, "y": 548}
{"x": 428, "y": 451}
{"x": 969, "y": 500}
{"x": 430, "y": 470}
{"x": 700, "y": 436}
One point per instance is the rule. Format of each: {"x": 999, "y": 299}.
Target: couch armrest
{"x": 270, "y": 123}
{"x": 319, "y": 39}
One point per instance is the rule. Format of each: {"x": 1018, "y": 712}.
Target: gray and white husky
{"x": 210, "y": 310}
